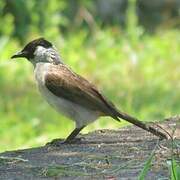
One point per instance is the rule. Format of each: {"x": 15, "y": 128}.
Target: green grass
{"x": 139, "y": 74}
{"x": 147, "y": 166}
{"x": 175, "y": 170}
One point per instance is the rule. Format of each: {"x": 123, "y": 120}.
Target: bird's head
{"x": 39, "y": 50}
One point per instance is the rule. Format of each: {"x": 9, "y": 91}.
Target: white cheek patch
{"x": 42, "y": 54}
{"x": 39, "y": 53}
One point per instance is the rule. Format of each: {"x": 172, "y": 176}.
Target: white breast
{"x": 79, "y": 114}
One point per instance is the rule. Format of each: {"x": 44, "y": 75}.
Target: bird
{"x": 69, "y": 93}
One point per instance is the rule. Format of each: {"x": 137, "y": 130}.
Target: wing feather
{"x": 66, "y": 84}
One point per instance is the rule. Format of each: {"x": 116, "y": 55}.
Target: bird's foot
{"x": 60, "y": 142}
{"x": 55, "y": 142}
{"x": 74, "y": 141}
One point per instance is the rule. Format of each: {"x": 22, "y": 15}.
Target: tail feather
{"x": 141, "y": 124}
{"x": 112, "y": 111}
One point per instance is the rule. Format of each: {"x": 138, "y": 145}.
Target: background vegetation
{"x": 138, "y": 71}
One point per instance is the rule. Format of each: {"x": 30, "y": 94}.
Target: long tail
{"x": 116, "y": 114}
{"x": 141, "y": 125}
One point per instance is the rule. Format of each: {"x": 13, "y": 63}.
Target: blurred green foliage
{"x": 139, "y": 73}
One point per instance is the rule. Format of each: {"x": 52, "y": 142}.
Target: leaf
{"x": 146, "y": 167}
{"x": 175, "y": 170}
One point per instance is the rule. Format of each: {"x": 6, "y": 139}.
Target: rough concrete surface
{"x": 103, "y": 154}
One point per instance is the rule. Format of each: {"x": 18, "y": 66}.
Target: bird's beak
{"x": 19, "y": 54}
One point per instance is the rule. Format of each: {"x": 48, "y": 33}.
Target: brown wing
{"x": 64, "y": 83}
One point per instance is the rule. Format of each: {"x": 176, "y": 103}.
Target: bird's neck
{"x": 45, "y": 55}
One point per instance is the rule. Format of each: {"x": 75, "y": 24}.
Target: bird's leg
{"x": 70, "y": 139}
{"x": 74, "y": 133}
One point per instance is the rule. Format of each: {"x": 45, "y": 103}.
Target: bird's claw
{"x": 60, "y": 142}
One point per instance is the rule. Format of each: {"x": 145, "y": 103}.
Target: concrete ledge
{"x": 103, "y": 154}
